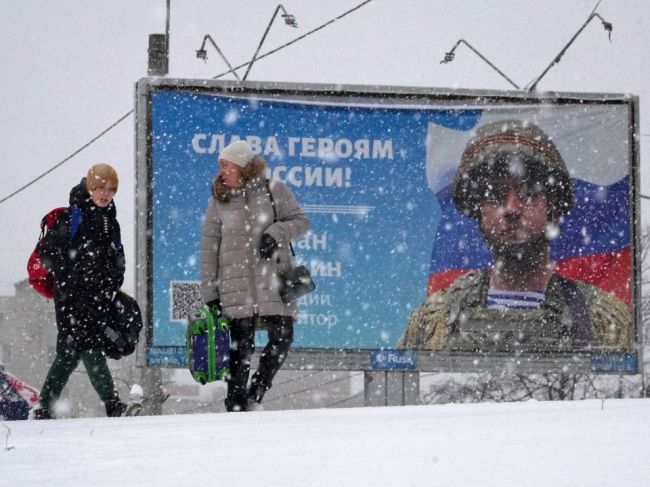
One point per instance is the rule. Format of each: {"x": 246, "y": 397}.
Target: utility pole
{"x": 159, "y": 49}
{"x": 152, "y": 377}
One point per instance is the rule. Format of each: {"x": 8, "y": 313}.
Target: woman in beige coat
{"x": 242, "y": 251}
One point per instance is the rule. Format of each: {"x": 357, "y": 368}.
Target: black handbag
{"x": 295, "y": 281}
{"x": 122, "y": 334}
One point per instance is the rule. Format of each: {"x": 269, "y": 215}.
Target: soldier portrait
{"x": 513, "y": 182}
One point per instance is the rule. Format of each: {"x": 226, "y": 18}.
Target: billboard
{"x": 374, "y": 169}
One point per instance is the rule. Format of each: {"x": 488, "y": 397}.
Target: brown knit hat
{"x": 99, "y": 175}
{"x": 490, "y": 154}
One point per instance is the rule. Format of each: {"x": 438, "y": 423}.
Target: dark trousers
{"x": 242, "y": 346}
{"x": 63, "y": 366}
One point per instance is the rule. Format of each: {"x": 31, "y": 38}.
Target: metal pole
{"x": 250, "y": 65}
{"x": 561, "y": 53}
{"x": 154, "y": 393}
{"x": 208, "y": 37}
{"x": 450, "y": 56}
{"x": 491, "y": 65}
{"x": 167, "y": 34}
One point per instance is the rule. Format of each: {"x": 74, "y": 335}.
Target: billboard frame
{"x": 361, "y": 359}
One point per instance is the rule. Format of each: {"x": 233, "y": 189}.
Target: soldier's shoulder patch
{"x": 610, "y": 317}
{"x": 472, "y": 278}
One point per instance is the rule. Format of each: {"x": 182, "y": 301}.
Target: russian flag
{"x": 594, "y": 245}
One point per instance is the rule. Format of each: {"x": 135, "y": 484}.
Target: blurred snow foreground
{"x": 572, "y": 443}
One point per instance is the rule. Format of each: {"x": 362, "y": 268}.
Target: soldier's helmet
{"x": 511, "y": 148}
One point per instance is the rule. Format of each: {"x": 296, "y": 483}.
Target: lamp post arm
{"x": 250, "y": 65}
{"x": 489, "y": 63}
{"x": 449, "y": 56}
{"x": 208, "y": 37}
{"x": 558, "y": 58}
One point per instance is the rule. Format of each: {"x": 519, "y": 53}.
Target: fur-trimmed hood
{"x": 252, "y": 174}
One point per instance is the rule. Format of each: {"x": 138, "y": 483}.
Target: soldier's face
{"x": 515, "y": 212}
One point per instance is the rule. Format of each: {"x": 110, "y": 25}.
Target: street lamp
{"x": 289, "y": 19}
{"x": 606, "y": 25}
{"x": 449, "y": 57}
{"x": 203, "y": 54}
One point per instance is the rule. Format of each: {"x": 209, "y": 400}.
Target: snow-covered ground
{"x": 578, "y": 443}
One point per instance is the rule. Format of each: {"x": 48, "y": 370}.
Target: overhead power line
{"x": 273, "y": 51}
{"x": 117, "y": 122}
{"x": 59, "y": 164}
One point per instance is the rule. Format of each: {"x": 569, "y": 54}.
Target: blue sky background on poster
{"x": 344, "y": 311}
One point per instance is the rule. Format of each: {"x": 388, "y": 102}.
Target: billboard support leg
{"x": 391, "y": 387}
{"x": 154, "y": 394}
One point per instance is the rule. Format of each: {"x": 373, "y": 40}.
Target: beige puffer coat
{"x": 231, "y": 266}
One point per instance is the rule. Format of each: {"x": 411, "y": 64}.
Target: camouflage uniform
{"x": 574, "y": 315}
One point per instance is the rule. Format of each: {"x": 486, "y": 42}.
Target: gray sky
{"x": 68, "y": 69}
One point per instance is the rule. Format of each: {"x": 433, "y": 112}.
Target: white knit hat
{"x": 238, "y": 152}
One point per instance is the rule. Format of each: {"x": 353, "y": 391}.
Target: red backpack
{"x": 39, "y": 277}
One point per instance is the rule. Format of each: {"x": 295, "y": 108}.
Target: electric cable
{"x": 299, "y": 38}
{"x": 59, "y": 164}
{"x": 113, "y": 125}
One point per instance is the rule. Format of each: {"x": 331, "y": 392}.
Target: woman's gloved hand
{"x": 268, "y": 246}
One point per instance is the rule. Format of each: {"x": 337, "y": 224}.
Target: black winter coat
{"x": 88, "y": 270}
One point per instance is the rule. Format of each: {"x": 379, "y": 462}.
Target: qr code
{"x": 186, "y": 298}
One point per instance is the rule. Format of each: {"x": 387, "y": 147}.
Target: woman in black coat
{"x": 84, "y": 253}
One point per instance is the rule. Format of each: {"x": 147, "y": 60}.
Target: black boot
{"x": 256, "y": 393}
{"x": 255, "y": 396}
{"x": 235, "y": 404}
{"x": 42, "y": 413}
{"x": 115, "y": 407}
